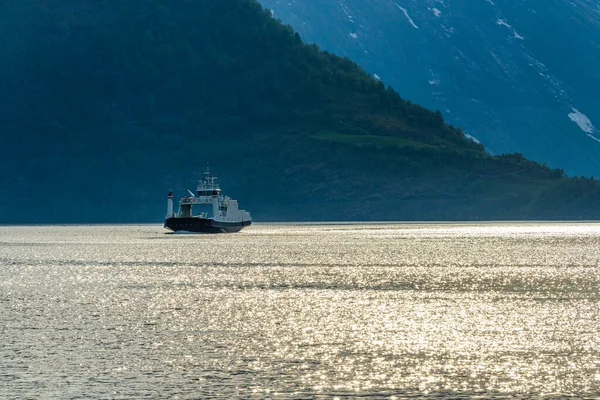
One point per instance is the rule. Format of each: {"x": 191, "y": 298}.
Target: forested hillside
{"x": 107, "y": 106}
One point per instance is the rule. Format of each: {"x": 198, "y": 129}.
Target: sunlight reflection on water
{"x": 301, "y": 310}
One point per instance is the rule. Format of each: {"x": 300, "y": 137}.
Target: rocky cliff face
{"x": 516, "y": 75}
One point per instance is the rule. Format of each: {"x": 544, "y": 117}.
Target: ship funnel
{"x": 170, "y": 205}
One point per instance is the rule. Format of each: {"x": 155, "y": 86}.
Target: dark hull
{"x": 203, "y": 225}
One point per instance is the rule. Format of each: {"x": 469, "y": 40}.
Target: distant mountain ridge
{"x": 107, "y": 107}
{"x": 519, "y": 76}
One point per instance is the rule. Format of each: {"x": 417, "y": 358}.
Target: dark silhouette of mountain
{"x": 517, "y": 75}
{"x": 108, "y": 106}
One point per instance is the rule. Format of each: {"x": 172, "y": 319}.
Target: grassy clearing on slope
{"x": 369, "y": 140}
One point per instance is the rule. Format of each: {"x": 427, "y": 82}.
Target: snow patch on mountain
{"x": 502, "y": 22}
{"x": 434, "y": 80}
{"x": 407, "y": 16}
{"x": 347, "y": 12}
{"x": 583, "y": 121}
{"x": 472, "y": 138}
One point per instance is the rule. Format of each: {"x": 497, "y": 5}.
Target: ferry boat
{"x": 226, "y": 216}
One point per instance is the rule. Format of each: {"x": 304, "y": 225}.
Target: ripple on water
{"x": 296, "y": 311}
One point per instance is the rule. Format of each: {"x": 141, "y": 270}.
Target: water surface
{"x": 301, "y": 311}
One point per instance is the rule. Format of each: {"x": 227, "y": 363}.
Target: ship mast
{"x": 209, "y": 191}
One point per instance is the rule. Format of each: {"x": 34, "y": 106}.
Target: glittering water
{"x": 300, "y": 311}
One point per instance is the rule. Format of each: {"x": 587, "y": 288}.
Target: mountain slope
{"x": 107, "y": 107}
{"x": 519, "y": 76}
